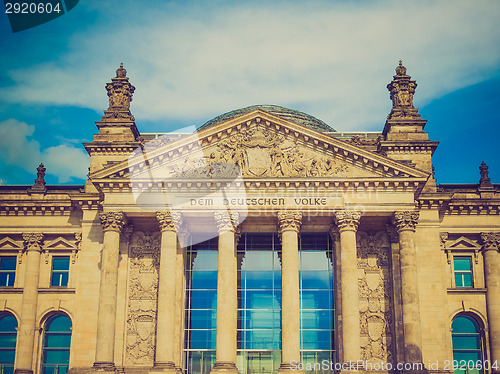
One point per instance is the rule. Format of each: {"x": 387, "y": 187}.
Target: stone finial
{"x": 485, "y": 180}
{"x": 406, "y": 220}
{"x": 40, "y": 178}
{"x": 120, "y": 93}
{"x": 347, "y": 220}
{"x": 401, "y": 90}
{"x": 400, "y": 69}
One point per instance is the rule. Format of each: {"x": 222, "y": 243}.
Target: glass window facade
{"x": 7, "y": 271}
{"x": 8, "y": 336}
{"x": 462, "y": 268}
{"x": 466, "y": 338}
{"x": 56, "y": 345}
{"x": 259, "y": 302}
{"x": 201, "y": 306}
{"x": 60, "y": 271}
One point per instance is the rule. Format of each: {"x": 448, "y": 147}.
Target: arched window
{"x": 466, "y": 338}
{"x": 8, "y": 335}
{"x": 56, "y": 344}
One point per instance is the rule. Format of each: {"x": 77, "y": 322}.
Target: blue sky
{"x": 191, "y": 61}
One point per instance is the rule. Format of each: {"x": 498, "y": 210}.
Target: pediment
{"x": 10, "y": 244}
{"x": 464, "y": 244}
{"x": 60, "y": 244}
{"x": 258, "y": 146}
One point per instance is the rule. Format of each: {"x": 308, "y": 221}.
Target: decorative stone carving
{"x": 33, "y": 241}
{"x": 357, "y": 140}
{"x": 491, "y": 241}
{"x": 142, "y": 299}
{"x": 226, "y": 221}
{"x": 169, "y": 221}
{"x": 375, "y": 292}
{"x": 40, "y": 178}
{"x": 112, "y": 221}
{"x": 120, "y": 93}
{"x": 485, "y": 180}
{"x": 289, "y": 221}
{"x": 402, "y": 89}
{"x": 347, "y": 220}
{"x": 405, "y": 220}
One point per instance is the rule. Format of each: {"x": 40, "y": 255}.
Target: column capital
{"x": 112, "y": 221}
{"x": 226, "y": 221}
{"x": 169, "y": 221}
{"x": 33, "y": 241}
{"x": 491, "y": 241}
{"x": 347, "y": 220}
{"x": 405, "y": 220}
{"x": 289, "y": 220}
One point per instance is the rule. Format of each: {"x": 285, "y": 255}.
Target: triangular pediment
{"x": 262, "y": 146}
{"x": 464, "y": 243}
{"x": 60, "y": 244}
{"x": 10, "y": 244}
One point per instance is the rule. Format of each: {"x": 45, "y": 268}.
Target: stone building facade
{"x": 264, "y": 242}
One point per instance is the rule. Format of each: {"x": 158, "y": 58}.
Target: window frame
{"x": 463, "y": 272}
{"x": 4, "y": 314}
{"x": 59, "y": 272}
{"x": 6, "y": 271}
{"x": 480, "y": 334}
{"x": 49, "y": 333}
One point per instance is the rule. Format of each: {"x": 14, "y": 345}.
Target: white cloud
{"x": 331, "y": 59}
{"x": 19, "y": 151}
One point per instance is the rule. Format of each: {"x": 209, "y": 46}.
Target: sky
{"x": 193, "y": 60}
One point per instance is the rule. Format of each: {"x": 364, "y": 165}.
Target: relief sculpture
{"x": 142, "y": 300}
{"x": 375, "y": 297}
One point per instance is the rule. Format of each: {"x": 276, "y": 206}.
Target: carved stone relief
{"x": 142, "y": 300}
{"x": 375, "y": 292}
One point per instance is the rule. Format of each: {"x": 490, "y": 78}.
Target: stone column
{"x": 227, "y": 293}
{"x": 289, "y": 226}
{"x": 491, "y": 246}
{"x": 112, "y": 224}
{"x": 27, "y": 325}
{"x": 405, "y": 223}
{"x": 347, "y": 223}
{"x": 165, "y": 317}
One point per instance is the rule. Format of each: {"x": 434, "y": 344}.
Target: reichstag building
{"x": 263, "y": 242}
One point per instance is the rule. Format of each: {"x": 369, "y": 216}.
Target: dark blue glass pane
{"x": 56, "y": 356}
{"x": 203, "y": 319}
{"x": 59, "y": 279}
{"x": 57, "y": 340}
{"x": 205, "y": 260}
{"x": 7, "y": 279}
{"x": 58, "y": 323}
{"x": 459, "y": 282}
{"x": 317, "y": 300}
{"x": 467, "y": 280}
{"x": 8, "y": 323}
{"x": 311, "y": 241}
{"x": 63, "y": 369}
{"x": 260, "y": 299}
{"x": 259, "y": 319}
{"x": 277, "y": 279}
{"x": 9, "y": 369}
{"x": 316, "y": 279}
{"x": 8, "y": 263}
{"x": 277, "y": 300}
{"x": 313, "y": 339}
{"x": 257, "y": 260}
{"x": 8, "y": 340}
{"x": 203, "y": 299}
{"x": 466, "y": 356}
{"x": 60, "y": 263}
{"x": 462, "y": 263}
{"x": 203, "y": 339}
{"x": 48, "y": 369}
{"x": 464, "y": 324}
{"x": 466, "y": 342}
{"x": 204, "y": 280}
{"x": 317, "y": 319}
{"x": 7, "y": 356}
{"x": 258, "y": 279}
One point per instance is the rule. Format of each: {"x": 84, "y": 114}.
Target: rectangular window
{"x": 7, "y": 271}
{"x": 462, "y": 268}
{"x": 60, "y": 271}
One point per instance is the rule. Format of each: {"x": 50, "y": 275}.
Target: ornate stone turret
{"x": 118, "y": 134}
{"x": 404, "y": 136}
